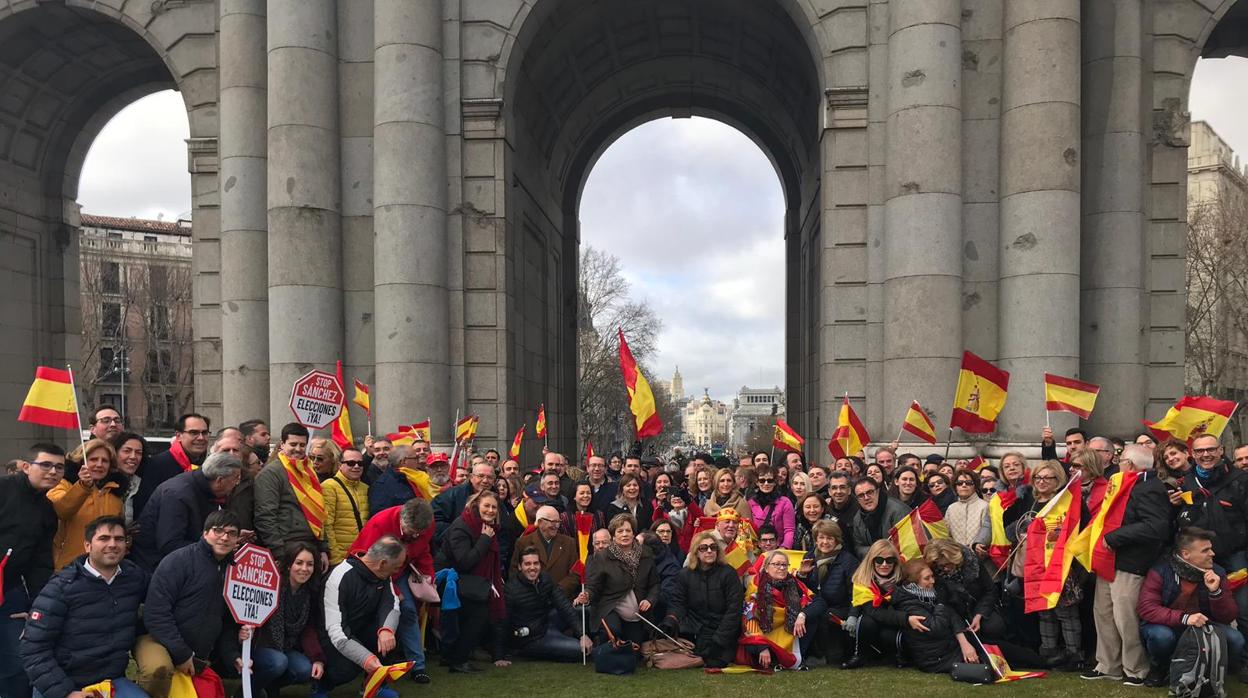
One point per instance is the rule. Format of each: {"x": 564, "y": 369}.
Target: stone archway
{"x": 65, "y": 70}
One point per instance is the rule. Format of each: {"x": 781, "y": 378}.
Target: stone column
{"x": 923, "y": 206}
{"x": 409, "y": 189}
{"x": 1039, "y": 250}
{"x": 1113, "y": 299}
{"x": 244, "y": 237}
{"x": 305, "y": 229}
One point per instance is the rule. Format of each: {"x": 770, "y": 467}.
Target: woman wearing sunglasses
{"x": 967, "y": 516}
{"x": 769, "y": 506}
{"x": 705, "y": 605}
{"x": 872, "y": 622}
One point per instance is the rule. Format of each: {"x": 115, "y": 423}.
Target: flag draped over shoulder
{"x": 640, "y": 398}
{"x": 307, "y": 489}
{"x": 51, "y": 401}
{"x": 1194, "y": 416}
{"x": 850, "y": 435}
{"x": 420, "y": 483}
{"x": 1069, "y": 395}
{"x": 1047, "y": 557}
{"x": 980, "y": 396}
{"x": 1089, "y": 546}
{"x": 340, "y": 430}
{"x": 921, "y": 526}
{"x": 784, "y": 647}
{"x": 869, "y": 594}
{"x": 787, "y": 438}
{"x": 999, "y": 544}
{"x": 918, "y": 423}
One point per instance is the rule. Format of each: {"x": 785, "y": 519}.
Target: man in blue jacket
{"x": 82, "y": 625}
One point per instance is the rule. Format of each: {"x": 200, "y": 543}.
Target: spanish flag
{"x": 787, "y": 438}
{"x": 980, "y": 396}
{"x": 403, "y": 437}
{"x": 420, "y": 483}
{"x": 1047, "y": 557}
{"x": 1194, "y": 416}
{"x": 1069, "y": 395}
{"x": 1002, "y": 668}
{"x": 999, "y": 546}
{"x": 1089, "y": 546}
{"x": 640, "y": 398}
{"x": 584, "y": 530}
{"x": 307, "y": 491}
{"x": 540, "y": 427}
{"x": 466, "y": 428}
{"x": 422, "y": 431}
{"x": 869, "y": 595}
{"x": 921, "y": 526}
{"x": 521, "y": 514}
{"x": 1236, "y": 579}
{"x": 794, "y": 558}
{"x": 51, "y": 401}
{"x": 850, "y": 435}
{"x": 514, "y": 453}
{"x": 918, "y": 423}
{"x": 340, "y": 430}
{"x": 383, "y": 675}
{"x": 103, "y": 689}
{"x": 361, "y": 397}
{"x": 977, "y": 463}
{"x": 589, "y": 450}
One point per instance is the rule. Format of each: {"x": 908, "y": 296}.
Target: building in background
{"x": 704, "y": 422}
{"x": 137, "y": 353}
{"x": 749, "y": 408}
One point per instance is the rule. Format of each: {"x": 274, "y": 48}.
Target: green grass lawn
{"x": 528, "y": 679}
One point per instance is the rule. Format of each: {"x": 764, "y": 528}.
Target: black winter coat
{"x": 1145, "y": 527}
{"x": 390, "y": 489}
{"x": 707, "y": 604}
{"x": 529, "y": 605}
{"x": 28, "y": 524}
{"x": 973, "y": 593}
{"x": 447, "y": 508}
{"x": 156, "y": 470}
{"x": 666, "y": 565}
{"x": 607, "y": 581}
{"x": 832, "y": 585}
{"x": 937, "y": 649}
{"x": 1219, "y": 504}
{"x": 81, "y": 628}
{"x": 173, "y": 518}
{"x": 185, "y": 610}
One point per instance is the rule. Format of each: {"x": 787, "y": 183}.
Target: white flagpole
{"x": 77, "y": 412}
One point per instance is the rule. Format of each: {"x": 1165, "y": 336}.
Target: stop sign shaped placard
{"x": 316, "y": 399}
{"x": 252, "y": 585}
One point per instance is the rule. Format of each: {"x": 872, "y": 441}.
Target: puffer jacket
{"x": 529, "y": 605}
{"x": 832, "y": 584}
{"x": 666, "y": 565}
{"x": 185, "y": 610}
{"x": 81, "y": 628}
{"x": 78, "y": 504}
{"x": 389, "y": 489}
{"x": 779, "y": 514}
{"x": 27, "y": 525}
{"x": 936, "y": 649}
{"x": 707, "y": 606}
{"x": 279, "y": 518}
{"x": 1161, "y": 590}
{"x": 173, "y": 518}
{"x": 341, "y": 522}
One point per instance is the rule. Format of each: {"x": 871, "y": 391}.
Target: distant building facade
{"x": 748, "y": 407}
{"x": 705, "y": 422}
{"x": 137, "y": 351}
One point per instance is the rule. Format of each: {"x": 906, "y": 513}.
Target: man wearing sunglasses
{"x": 346, "y": 504}
{"x": 27, "y": 525}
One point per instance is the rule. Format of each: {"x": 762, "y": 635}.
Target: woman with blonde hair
{"x": 871, "y": 621}
{"x": 1014, "y": 472}
{"x": 727, "y": 496}
{"x": 99, "y": 491}
{"x": 799, "y": 487}
{"x": 325, "y": 455}
{"x": 706, "y": 601}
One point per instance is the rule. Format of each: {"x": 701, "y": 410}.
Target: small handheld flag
{"x": 980, "y": 396}
{"x": 540, "y": 427}
{"x": 850, "y": 435}
{"x": 383, "y": 675}
{"x": 1194, "y": 416}
{"x": 514, "y": 453}
{"x": 466, "y": 428}
{"x": 51, "y": 401}
{"x": 340, "y": 429}
{"x": 1069, "y": 395}
{"x": 423, "y": 432}
{"x": 361, "y": 397}
{"x": 786, "y": 437}
{"x": 918, "y": 423}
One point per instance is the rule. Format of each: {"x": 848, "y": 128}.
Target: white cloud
{"x": 1218, "y": 97}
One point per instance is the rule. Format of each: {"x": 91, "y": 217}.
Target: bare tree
{"x": 759, "y": 437}
{"x": 1217, "y": 293}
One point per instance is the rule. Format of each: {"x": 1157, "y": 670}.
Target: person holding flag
{"x": 706, "y": 602}
{"x": 532, "y": 598}
{"x": 828, "y": 572}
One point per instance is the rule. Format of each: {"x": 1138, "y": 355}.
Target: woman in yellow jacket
{"x": 346, "y": 504}
{"x": 98, "y": 492}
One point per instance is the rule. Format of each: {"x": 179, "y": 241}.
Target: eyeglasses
{"x": 1044, "y": 478}
{"x": 353, "y": 463}
{"x": 196, "y": 433}
{"x": 778, "y": 565}
{"x": 866, "y": 495}
{"x": 766, "y": 480}
{"x": 550, "y": 521}
{"x": 706, "y": 548}
{"x": 1206, "y": 451}
{"x": 884, "y": 560}
{"x": 318, "y": 458}
{"x": 224, "y": 532}
{"x": 108, "y": 420}
{"x": 49, "y": 465}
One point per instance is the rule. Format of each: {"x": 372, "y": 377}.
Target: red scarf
{"x": 179, "y": 455}
{"x": 488, "y": 566}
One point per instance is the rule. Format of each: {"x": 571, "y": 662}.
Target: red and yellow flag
{"x": 1089, "y": 546}
{"x": 420, "y": 483}
{"x": 1236, "y": 579}
{"x": 522, "y": 515}
{"x": 1002, "y": 668}
{"x": 589, "y": 450}
{"x": 1047, "y": 557}
{"x": 307, "y": 489}
{"x": 514, "y": 453}
{"x": 1194, "y": 416}
{"x": 977, "y": 463}
{"x": 921, "y": 526}
{"x": 103, "y": 689}
{"x": 51, "y": 401}
{"x": 383, "y": 675}
{"x": 361, "y": 397}
{"x": 999, "y": 545}
{"x": 869, "y": 595}
{"x": 640, "y": 398}
{"x": 918, "y": 423}
{"x": 466, "y": 428}
{"x": 540, "y": 427}
{"x": 787, "y": 438}
{"x": 850, "y": 435}
{"x": 340, "y": 430}
{"x": 584, "y": 530}
{"x": 422, "y": 431}
{"x": 980, "y": 396}
{"x": 1069, "y": 395}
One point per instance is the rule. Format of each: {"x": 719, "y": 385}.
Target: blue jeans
{"x": 13, "y": 681}
{"x": 122, "y": 688}
{"x": 409, "y": 624}
{"x": 1160, "y": 641}
{"x": 1238, "y": 560}
{"x": 274, "y": 669}
{"x": 554, "y": 646}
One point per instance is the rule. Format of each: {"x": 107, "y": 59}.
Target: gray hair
{"x": 1141, "y": 456}
{"x": 416, "y": 514}
{"x": 220, "y": 465}
{"x": 386, "y": 548}
{"x": 1104, "y": 442}
{"x": 399, "y": 453}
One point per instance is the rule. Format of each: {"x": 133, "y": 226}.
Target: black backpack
{"x": 1198, "y": 665}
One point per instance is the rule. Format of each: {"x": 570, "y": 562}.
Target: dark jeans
{"x": 1160, "y": 641}
{"x": 554, "y": 646}
{"x": 13, "y": 681}
{"x": 273, "y": 669}
{"x": 474, "y": 620}
{"x": 873, "y": 636}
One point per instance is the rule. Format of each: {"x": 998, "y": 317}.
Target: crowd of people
{"x": 117, "y": 554}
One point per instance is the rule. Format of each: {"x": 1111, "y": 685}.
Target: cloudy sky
{"x": 691, "y": 207}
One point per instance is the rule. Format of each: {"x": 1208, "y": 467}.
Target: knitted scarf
{"x": 927, "y": 596}
{"x": 789, "y": 593}
{"x": 1185, "y": 570}
{"x": 287, "y": 624}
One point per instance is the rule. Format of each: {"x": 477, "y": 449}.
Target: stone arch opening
{"x": 65, "y": 70}
{"x": 578, "y": 76}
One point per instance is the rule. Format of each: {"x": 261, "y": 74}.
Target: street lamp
{"x": 121, "y": 365}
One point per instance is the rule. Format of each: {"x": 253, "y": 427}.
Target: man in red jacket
{"x": 412, "y": 524}
{"x": 1185, "y": 590}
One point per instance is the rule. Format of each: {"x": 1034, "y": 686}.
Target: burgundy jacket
{"x": 1160, "y": 592}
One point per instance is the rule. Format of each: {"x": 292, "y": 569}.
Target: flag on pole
{"x": 466, "y": 428}
{"x": 584, "y": 530}
{"x": 404, "y": 436}
{"x": 383, "y": 675}
{"x": 589, "y": 450}
{"x": 1048, "y": 553}
{"x": 423, "y": 432}
{"x": 977, "y": 463}
{"x": 999, "y": 545}
{"x": 51, "y": 401}
{"x": 850, "y": 435}
{"x": 980, "y": 396}
{"x": 1069, "y": 395}
{"x": 540, "y": 427}
{"x": 640, "y": 398}
{"x": 514, "y": 453}
{"x": 918, "y": 423}
{"x": 921, "y": 526}
{"x": 1089, "y": 546}
{"x": 787, "y": 438}
{"x": 1194, "y": 416}
{"x": 1002, "y": 668}
{"x": 340, "y": 429}
{"x": 361, "y": 397}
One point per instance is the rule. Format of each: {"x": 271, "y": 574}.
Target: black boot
{"x": 855, "y": 661}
